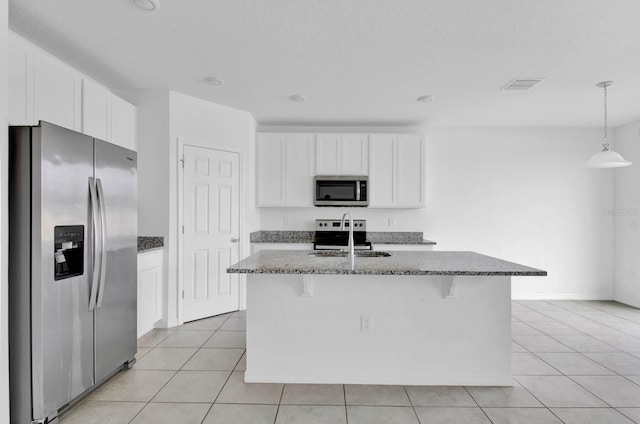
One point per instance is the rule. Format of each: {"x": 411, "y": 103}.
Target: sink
{"x": 342, "y": 254}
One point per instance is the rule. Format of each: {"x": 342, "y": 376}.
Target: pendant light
{"x": 606, "y": 158}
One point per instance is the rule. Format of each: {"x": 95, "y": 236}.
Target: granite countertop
{"x": 399, "y": 263}
{"x": 149, "y": 243}
{"x": 375, "y": 237}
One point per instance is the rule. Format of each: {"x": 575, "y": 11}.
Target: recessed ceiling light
{"x": 214, "y": 81}
{"x": 147, "y": 5}
{"x": 298, "y": 98}
{"x": 425, "y": 99}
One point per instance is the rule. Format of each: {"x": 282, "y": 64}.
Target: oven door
{"x": 341, "y": 191}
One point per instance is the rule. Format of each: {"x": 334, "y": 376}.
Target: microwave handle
{"x": 358, "y": 190}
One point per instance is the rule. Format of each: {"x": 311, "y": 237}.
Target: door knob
{"x": 234, "y": 240}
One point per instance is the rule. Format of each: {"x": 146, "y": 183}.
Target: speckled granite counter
{"x": 399, "y": 263}
{"x": 282, "y": 237}
{"x": 375, "y": 237}
{"x": 149, "y": 243}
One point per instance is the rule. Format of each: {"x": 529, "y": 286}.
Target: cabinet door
{"x": 96, "y": 110}
{"x": 123, "y": 123}
{"x": 355, "y": 154}
{"x": 270, "y": 175}
{"x": 382, "y": 179}
{"x": 299, "y": 170}
{"x": 149, "y": 290}
{"x": 20, "y": 81}
{"x": 328, "y": 154}
{"x": 57, "y": 92}
{"x": 410, "y": 165}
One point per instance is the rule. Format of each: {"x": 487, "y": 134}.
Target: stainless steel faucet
{"x": 352, "y": 249}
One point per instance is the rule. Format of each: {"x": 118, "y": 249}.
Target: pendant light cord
{"x": 606, "y": 143}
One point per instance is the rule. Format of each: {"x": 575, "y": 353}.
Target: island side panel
{"x": 417, "y": 337}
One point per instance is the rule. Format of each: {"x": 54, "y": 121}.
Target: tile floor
{"x": 573, "y": 362}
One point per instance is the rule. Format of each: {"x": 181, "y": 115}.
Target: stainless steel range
{"x": 330, "y": 237}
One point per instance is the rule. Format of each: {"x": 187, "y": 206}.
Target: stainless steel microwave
{"x": 340, "y": 190}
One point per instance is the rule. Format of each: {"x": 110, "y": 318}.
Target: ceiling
{"x": 360, "y": 62}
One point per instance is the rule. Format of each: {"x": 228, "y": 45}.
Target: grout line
{"x": 344, "y": 395}
{"x": 476, "y": 402}
{"x": 413, "y": 408}
{"x": 279, "y": 403}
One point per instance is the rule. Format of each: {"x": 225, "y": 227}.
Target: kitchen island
{"x": 412, "y": 318}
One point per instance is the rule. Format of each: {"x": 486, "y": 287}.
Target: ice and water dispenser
{"x": 69, "y": 251}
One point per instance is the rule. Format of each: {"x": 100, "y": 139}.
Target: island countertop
{"x": 399, "y": 263}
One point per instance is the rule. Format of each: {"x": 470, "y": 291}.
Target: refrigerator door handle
{"x": 95, "y": 271}
{"x": 103, "y": 241}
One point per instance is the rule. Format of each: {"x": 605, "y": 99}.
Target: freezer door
{"x": 61, "y": 240}
{"x": 116, "y": 320}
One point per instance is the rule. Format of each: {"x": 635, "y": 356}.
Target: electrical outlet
{"x": 285, "y": 220}
{"x": 366, "y": 323}
{"x": 392, "y": 222}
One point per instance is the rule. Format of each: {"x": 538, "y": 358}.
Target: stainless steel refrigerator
{"x": 72, "y": 267}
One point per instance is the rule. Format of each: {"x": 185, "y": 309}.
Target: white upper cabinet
{"x": 96, "y": 110}
{"x": 123, "y": 123}
{"x": 342, "y": 154}
{"x": 397, "y": 172}
{"x": 57, "y": 92}
{"x": 270, "y": 174}
{"x": 411, "y": 175}
{"x": 382, "y": 192}
{"x": 299, "y": 169}
{"x": 41, "y": 87}
{"x": 285, "y": 169}
{"x": 20, "y": 81}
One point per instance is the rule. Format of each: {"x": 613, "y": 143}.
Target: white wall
{"x": 165, "y": 117}
{"x": 626, "y": 216}
{"x": 202, "y": 123}
{"x": 153, "y": 165}
{"x": 4, "y": 193}
{"x": 518, "y": 194}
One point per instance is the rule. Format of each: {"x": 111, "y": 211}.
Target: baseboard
{"x": 389, "y": 379}
{"x": 560, "y": 296}
{"x": 163, "y": 323}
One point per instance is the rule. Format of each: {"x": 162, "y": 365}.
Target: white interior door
{"x": 211, "y": 230}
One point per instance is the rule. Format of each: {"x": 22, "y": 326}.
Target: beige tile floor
{"x": 574, "y": 362}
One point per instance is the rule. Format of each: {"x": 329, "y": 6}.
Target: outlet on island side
{"x": 366, "y": 323}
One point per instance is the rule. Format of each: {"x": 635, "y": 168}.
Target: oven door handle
{"x": 357, "y": 190}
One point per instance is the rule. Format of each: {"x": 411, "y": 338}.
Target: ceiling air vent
{"x": 522, "y": 84}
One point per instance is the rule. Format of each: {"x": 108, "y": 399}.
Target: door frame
{"x": 180, "y": 193}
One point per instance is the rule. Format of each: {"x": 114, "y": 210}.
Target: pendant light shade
{"x": 607, "y": 158}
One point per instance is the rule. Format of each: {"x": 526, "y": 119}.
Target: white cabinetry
{"x": 123, "y": 123}
{"x": 56, "y": 92}
{"x": 41, "y": 87}
{"x": 285, "y": 169}
{"x": 96, "y": 110}
{"x": 396, "y": 178}
{"x": 149, "y": 290}
{"x": 20, "y": 81}
{"x": 342, "y": 154}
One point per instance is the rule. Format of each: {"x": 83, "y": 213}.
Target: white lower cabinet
{"x": 149, "y": 290}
